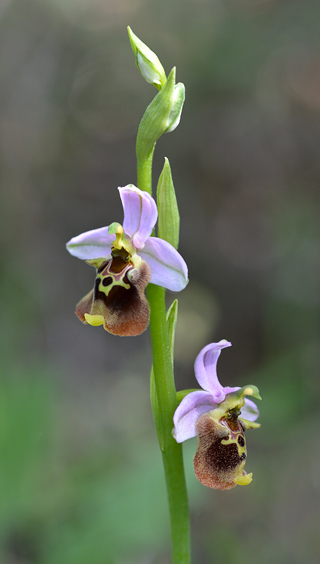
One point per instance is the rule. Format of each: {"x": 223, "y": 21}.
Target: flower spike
{"x": 219, "y": 416}
{"x": 126, "y": 259}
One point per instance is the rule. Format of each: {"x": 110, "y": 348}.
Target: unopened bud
{"x": 147, "y": 62}
{"x": 155, "y": 120}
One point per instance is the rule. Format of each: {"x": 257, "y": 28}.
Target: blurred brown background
{"x": 80, "y": 474}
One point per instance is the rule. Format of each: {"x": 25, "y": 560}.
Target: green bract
{"x": 172, "y": 317}
{"x": 168, "y": 213}
{"x": 179, "y": 95}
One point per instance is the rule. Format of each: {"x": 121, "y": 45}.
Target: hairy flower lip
{"x": 117, "y": 300}
{"x": 221, "y": 454}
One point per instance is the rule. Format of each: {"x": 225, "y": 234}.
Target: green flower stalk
{"x": 162, "y": 116}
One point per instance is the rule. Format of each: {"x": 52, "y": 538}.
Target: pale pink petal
{"x": 91, "y": 244}
{"x": 187, "y": 413}
{"x": 205, "y": 368}
{"x": 140, "y": 214}
{"x": 249, "y": 410}
{"x": 168, "y": 269}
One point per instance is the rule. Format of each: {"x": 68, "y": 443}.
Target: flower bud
{"x": 147, "y": 62}
{"x": 156, "y": 119}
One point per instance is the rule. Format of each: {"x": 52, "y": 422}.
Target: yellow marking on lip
{"x": 94, "y": 320}
{"x": 120, "y": 282}
{"x": 244, "y": 480}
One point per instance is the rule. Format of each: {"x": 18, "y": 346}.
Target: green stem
{"x": 171, "y": 451}
{"x": 144, "y": 173}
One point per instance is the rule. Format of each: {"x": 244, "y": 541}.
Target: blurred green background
{"x": 80, "y": 474}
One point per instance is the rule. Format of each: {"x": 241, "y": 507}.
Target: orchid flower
{"x": 219, "y": 417}
{"x": 127, "y": 258}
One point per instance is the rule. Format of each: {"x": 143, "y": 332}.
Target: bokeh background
{"x": 80, "y": 474}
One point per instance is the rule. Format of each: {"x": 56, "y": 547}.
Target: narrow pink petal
{"x": 188, "y": 412}
{"x": 249, "y": 410}
{"x": 91, "y": 244}
{"x": 230, "y": 389}
{"x": 205, "y": 368}
{"x": 140, "y": 214}
{"x": 168, "y": 269}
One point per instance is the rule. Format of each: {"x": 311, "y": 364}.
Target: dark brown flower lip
{"x": 117, "y": 301}
{"x": 221, "y": 453}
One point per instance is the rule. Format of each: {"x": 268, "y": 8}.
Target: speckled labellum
{"x": 221, "y": 454}
{"x": 117, "y": 301}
